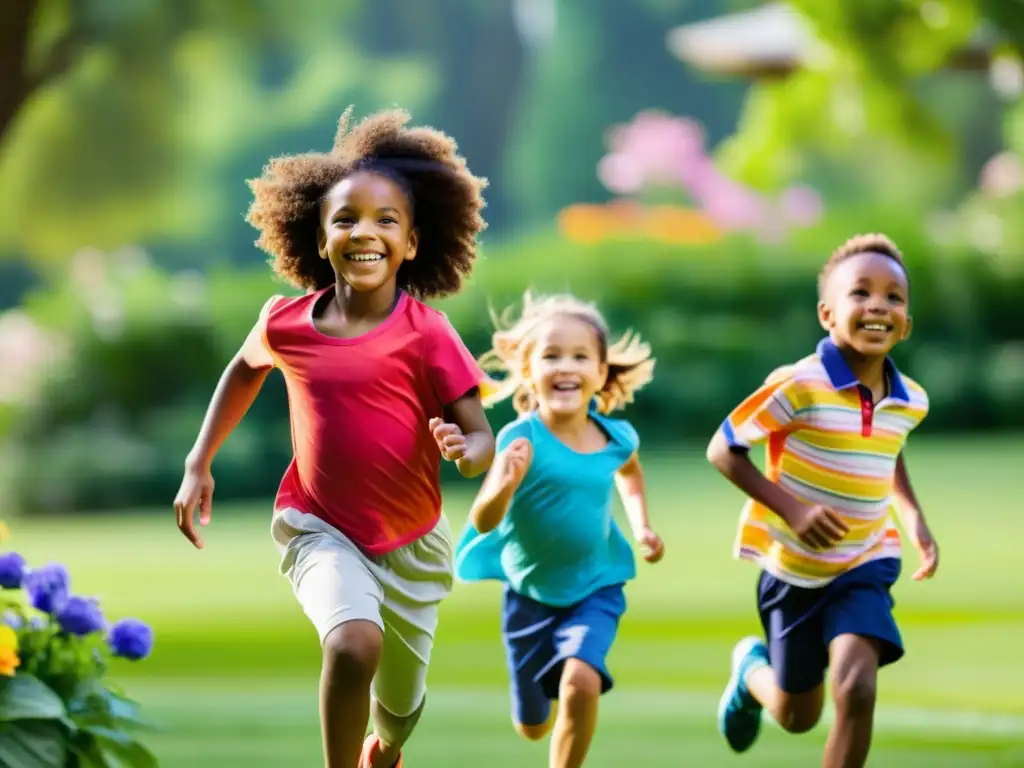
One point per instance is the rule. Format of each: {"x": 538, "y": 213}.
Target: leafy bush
{"x": 111, "y": 425}
{"x": 56, "y": 708}
{"x": 721, "y": 318}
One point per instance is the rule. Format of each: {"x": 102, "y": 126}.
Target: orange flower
{"x": 8, "y": 651}
{"x": 681, "y": 226}
{"x": 583, "y": 223}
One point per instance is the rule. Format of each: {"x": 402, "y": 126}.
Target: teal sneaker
{"x": 739, "y": 713}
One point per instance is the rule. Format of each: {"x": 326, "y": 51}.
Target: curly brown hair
{"x": 871, "y": 243}
{"x": 445, "y": 197}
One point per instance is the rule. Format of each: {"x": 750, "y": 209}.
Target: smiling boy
{"x": 818, "y": 522}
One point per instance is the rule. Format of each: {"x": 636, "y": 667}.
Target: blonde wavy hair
{"x": 629, "y": 361}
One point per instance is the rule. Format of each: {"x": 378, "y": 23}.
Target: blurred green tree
{"x": 112, "y": 114}
{"x": 868, "y": 80}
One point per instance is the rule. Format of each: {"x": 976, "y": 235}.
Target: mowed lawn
{"x": 233, "y": 679}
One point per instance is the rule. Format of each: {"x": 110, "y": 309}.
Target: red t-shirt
{"x": 365, "y": 460}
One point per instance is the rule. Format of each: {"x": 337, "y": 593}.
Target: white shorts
{"x": 400, "y": 592}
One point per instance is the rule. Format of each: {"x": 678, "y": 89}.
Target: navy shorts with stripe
{"x": 800, "y": 623}
{"x": 539, "y": 638}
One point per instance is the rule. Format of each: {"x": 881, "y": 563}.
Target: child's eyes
{"x": 895, "y": 298}
{"x": 859, "y": 292}
{"x": 348, "y": 221}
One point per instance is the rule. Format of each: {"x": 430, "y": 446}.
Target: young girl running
{"x": 542, "y": 522}
{"x": 380, "y": 388}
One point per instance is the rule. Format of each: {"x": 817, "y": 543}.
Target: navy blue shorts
{"x": 800, "y": 623}
{"x": 538, "y": 639}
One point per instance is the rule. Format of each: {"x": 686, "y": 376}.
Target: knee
{"x": 351, "y": 652}
{"x": 854, "y": 692}
{"x": 801, "y": 720}
{"x": 533, "y": 732}
{"x": 801, "y": 712}
{"x": 580, "y": 681}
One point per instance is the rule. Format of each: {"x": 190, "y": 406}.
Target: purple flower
{"x": 12, "y": 570}
{"x": 37, "y": 623}
{"x": 81, "y": 616}
{"x": 47, "y": 587}
{"x": 12, "y": 619}
{"x": 131, "y": 639}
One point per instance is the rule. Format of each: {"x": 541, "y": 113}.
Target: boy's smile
{"x": 865, "y": 307}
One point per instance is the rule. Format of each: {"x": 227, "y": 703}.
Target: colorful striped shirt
{"x": 828, "y": 444}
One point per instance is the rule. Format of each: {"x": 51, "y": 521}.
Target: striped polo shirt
{"x": 826, "y": 443}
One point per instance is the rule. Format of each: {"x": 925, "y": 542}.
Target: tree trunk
{"x": 15, "y": 83}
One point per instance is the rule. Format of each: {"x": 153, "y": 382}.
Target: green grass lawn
{"x": 234, "y": 676}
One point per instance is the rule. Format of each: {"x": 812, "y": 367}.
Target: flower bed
{"x": 56, "y": 706}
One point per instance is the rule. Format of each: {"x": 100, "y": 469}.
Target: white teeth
{"x": 364, "y": 256}
{"x": 875, "y": 327}
{"x": 567, "y": 387}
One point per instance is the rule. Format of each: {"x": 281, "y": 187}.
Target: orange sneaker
{"x": 371, "y": 745}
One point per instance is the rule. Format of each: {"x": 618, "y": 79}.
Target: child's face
{"x": 366, "y": 230}
{"x": 866, "y": 304}
{"x": 565, "y": 367}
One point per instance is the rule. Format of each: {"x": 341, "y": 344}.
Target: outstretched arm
{"x": 632, "y": 490}
{"x": 237, "y": 389}
{"x": 503, "y": 480}
{"x": 914, "y": 523}
{"x": 235, "y": 393}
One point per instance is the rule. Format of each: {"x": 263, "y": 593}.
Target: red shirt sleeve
{"x": 255, "y": 350}
{"x": 452, "y": 369}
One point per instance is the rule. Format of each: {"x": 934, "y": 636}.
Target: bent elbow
{"x": 717, "y": 450}
{"x": 482, "y": 525}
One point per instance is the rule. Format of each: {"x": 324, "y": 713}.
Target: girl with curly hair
{"x": 380, "y": 388}
{"x": 542, "y": 522}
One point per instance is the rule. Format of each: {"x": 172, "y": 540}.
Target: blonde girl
{"x": 542, "y": 522}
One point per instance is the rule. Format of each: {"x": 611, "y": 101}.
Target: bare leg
{"x": 795, "y": 712}
{"x": 351, "y": 654}
{"x": 854, "y": 681}
{"x": 392, "y": 733}
{"x": 579, "y": 692}
{"x": 536, "y": 732}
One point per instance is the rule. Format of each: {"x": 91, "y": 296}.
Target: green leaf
{"x": 93, "y": 704}
{"x": 24, "y": 697}
{"x": 88, "y": 752}
{"x": 121, "y": 749}
{"x": 33, "y": 744}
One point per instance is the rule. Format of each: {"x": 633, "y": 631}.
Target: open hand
{"x": 196, "y": 489}
{"x": 513, "y": 462}
{"x": 928, "y": 551}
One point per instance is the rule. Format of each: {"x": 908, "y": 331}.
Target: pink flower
{"x": 801, "y": 205}
{"x": 656, "y": 145}
{"x": 1002, "y": 175}
{"x": 620, "y": 174}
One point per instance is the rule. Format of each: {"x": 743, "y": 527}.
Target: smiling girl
{"x": 380, "y": 388}
{"x": 542, "y": 522}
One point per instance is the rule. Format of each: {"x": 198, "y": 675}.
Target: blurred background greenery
{"x": 688, "y": 164}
